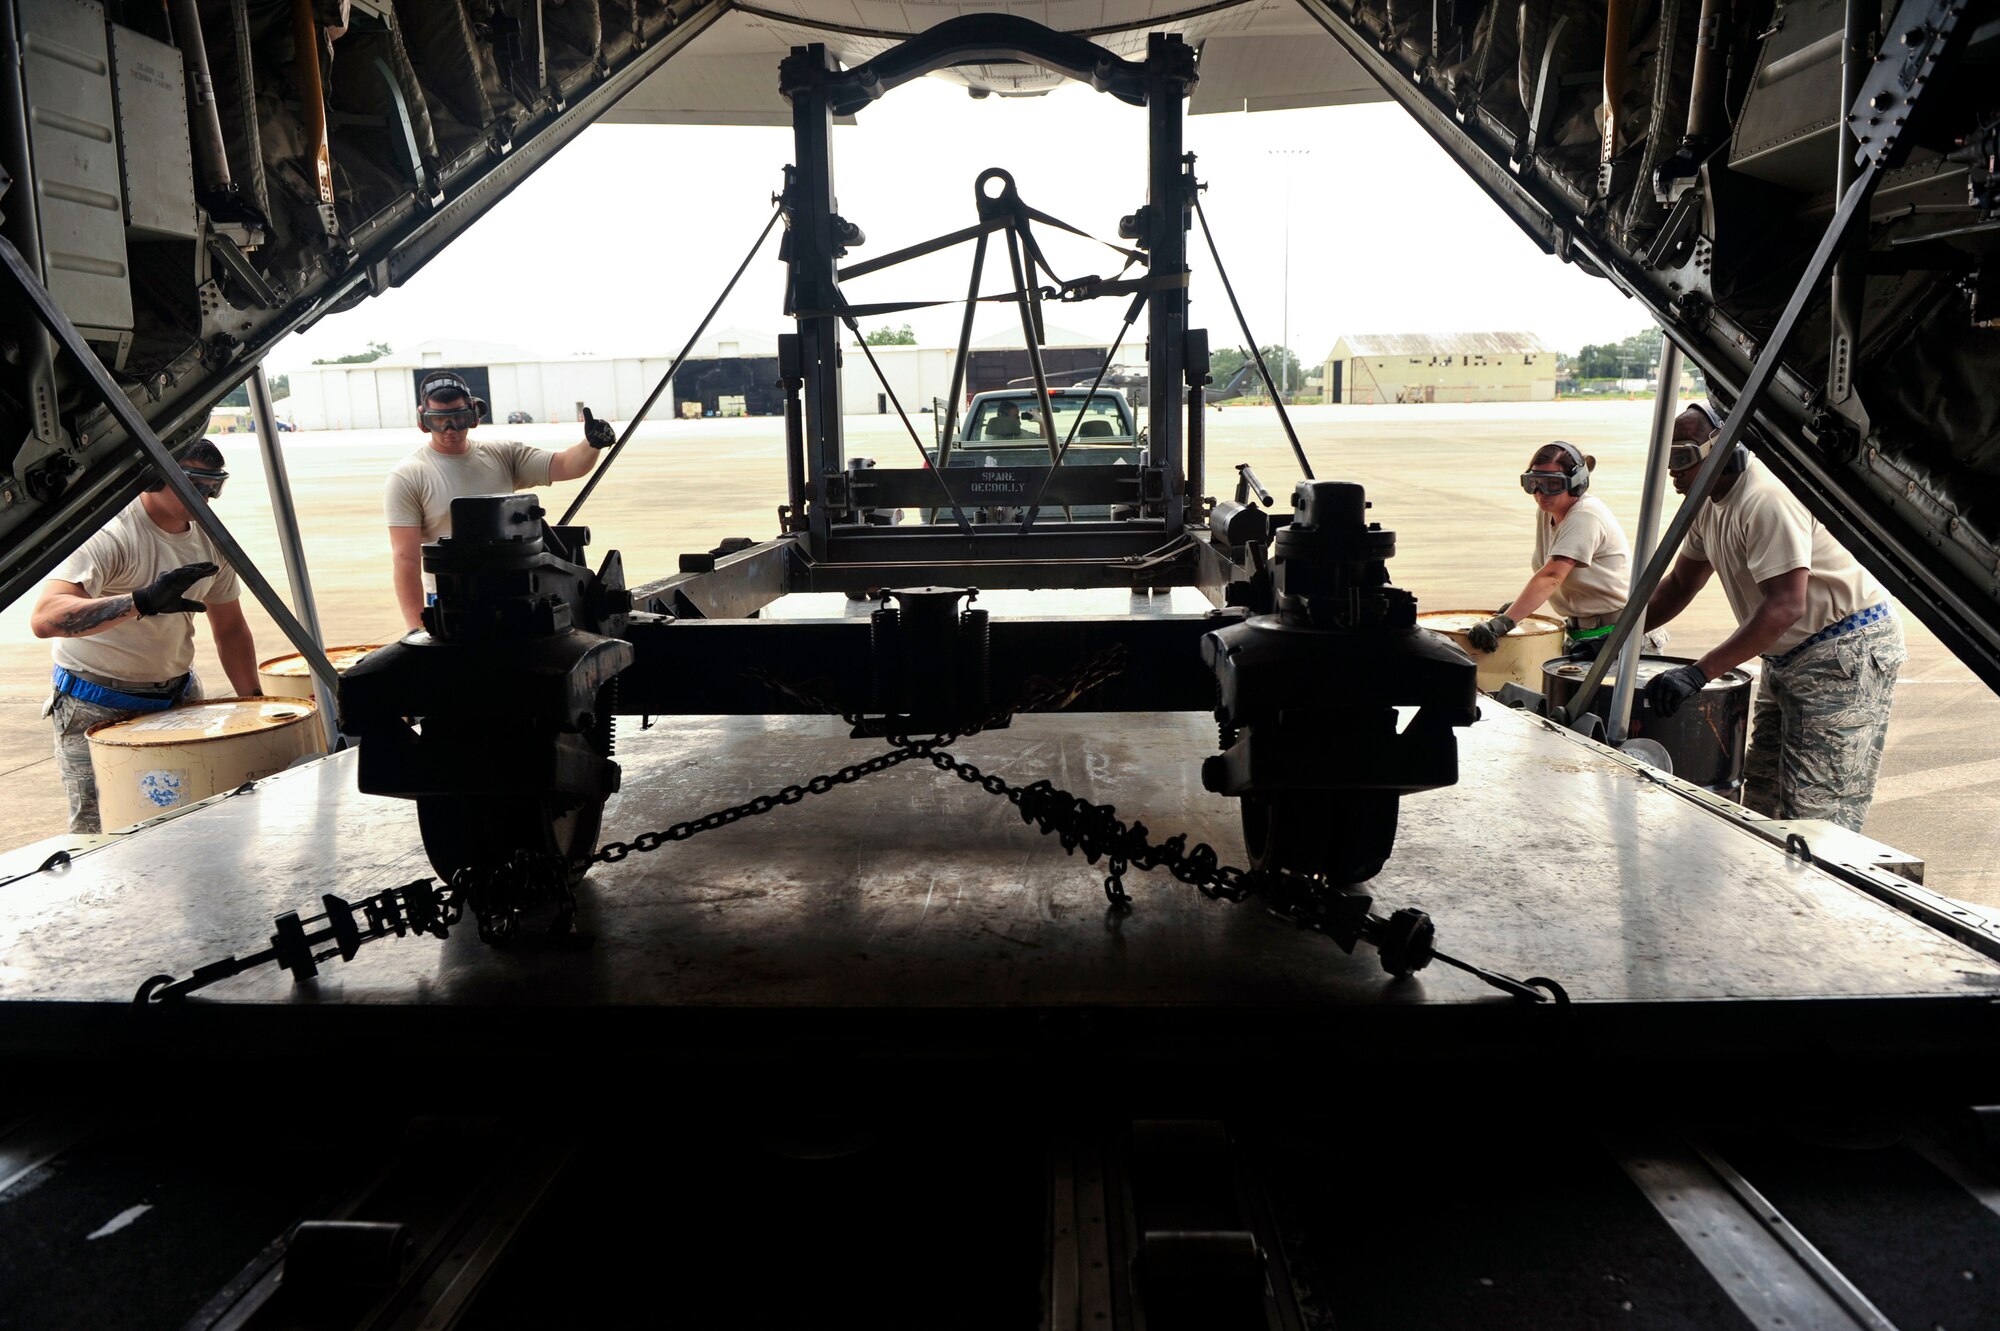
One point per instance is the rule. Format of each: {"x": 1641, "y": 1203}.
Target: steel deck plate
{"x": 916, "y": 890}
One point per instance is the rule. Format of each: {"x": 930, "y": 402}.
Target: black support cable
{"x": 1263, "y": 369}
{"x": 597, "y": 474}
{"x": 964, "y": 523}
{"x": 1131, "y": 317}
{"x": 964, "y": 345}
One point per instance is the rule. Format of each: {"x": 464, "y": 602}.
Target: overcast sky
{"x": 621, "y": 242}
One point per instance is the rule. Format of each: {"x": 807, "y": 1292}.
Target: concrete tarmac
{"x": 1441, "y": 476}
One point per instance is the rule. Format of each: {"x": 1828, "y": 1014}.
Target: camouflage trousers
{"x": 1821, "y": 717}
{"x": 71, "y": 717}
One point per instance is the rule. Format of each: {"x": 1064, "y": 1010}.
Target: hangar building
{"x": 382, "y": 394}
{"x": 726, "y": 366}
{"x": 1366, "y": 368}
{"x": 921, "y": 374}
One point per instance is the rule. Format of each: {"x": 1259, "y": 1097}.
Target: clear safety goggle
{"x": 1544, "y": 482}
{"x": 207, "y": 484}
{"x": 457, "y": 418}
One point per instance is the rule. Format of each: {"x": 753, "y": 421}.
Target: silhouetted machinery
{"x": 1308, "y": 690}
{"x": 1308, "y": 697}
{"x": 860, "y": 1016}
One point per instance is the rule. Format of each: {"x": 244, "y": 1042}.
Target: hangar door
{"x": 476, "y": 375}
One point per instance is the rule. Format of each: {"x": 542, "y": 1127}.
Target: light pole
{"x": 1289, "y": 155}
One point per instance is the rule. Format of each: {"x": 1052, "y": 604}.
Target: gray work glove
{"x": 597, "y": 433}
{"x": 1486, "y": 637}
{"x": 1666, "y": 691}
{"x": 167, "y": 594}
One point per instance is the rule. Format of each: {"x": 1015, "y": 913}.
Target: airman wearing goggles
{"x": 452, "y": 466}
{"x": 121, "y": 610}
{"x": 1582, "y": 563}
{"x": 207, "y": 484}
{"x": 457, "y": 421}
{"x": 1830, "y": 642}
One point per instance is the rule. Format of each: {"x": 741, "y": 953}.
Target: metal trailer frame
{"x": 817, "y": 237}
{"x": 708, "y": 612}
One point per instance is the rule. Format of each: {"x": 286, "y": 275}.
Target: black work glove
{"x": 1666, "y": 691}
{"x": 597, "y": 433}
{"x": 1486, "y": 637}
{"x": 167, "y": 594}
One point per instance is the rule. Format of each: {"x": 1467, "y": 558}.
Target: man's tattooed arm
{"x": 85, "y": 617}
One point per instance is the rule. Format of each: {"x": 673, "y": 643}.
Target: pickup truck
{"x": 1003, "y": 430}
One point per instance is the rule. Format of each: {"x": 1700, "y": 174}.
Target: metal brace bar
{"x": 135, "y": 425}
{"x": 292, "y": 545}
{"x": 964, "y": 345}
{"x": 1619, "y": 724}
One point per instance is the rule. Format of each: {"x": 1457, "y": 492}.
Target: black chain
{"x": 1100, "y": 834}
{"x": 611, "y": 852}
{"x": 1043, "y": 695}
{"x": 1096, "y": 830}
{"x": 1343, "y": 913}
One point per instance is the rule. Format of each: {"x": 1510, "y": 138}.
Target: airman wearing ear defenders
{"x": 1582, "y": 562}
{"x": 451, "y": 466}
{"x": 121, "y": 608}
{"x": 1831, "y": 643}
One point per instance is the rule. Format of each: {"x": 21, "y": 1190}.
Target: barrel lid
{"x": 1649, "y": 666}
{"x": 295, "y": 665}
{"x": 1464, "y": 621}
{"x": 217, "y": 718}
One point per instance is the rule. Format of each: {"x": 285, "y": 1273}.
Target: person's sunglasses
{"x": 462, "y": 418}
{"x": 1544, "y": 482}
{"x": 207, "y": 484}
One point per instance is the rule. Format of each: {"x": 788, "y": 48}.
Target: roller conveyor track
{"x": 1550, "y": 1221}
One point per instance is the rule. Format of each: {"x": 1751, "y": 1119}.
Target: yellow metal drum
{"x": 147, "y": 765}
{"x": 1521, "y": 653}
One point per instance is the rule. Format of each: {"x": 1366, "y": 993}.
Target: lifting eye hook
{"x": 1007, "y": 201}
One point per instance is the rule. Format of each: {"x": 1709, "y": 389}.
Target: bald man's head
{"x": 1696, "y": 425}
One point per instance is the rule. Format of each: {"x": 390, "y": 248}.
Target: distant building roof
{"x": 1052, "y": 336}
{"x": 454, "y": 351}
{"x": 728, "y": 342}
{"x": 1435, "y": 344}
{"x": 469, "y": 351}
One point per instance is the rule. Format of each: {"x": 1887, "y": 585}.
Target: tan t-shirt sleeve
{"x": 1695, "y": 546}
{"x": 1579, "y": 537}
{"x": 1777, "y": 534}
{"x": 98, "y": 563}
{"x": 527, "y": 464}
{"x": 402, "y": 503}
{"x": 224, "y": 587}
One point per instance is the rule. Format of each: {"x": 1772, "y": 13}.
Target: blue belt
{"x": 1858, "y": 620}
{"x": 86, "y": 691}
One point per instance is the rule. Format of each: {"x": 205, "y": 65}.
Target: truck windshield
{"x": 1018, "y": 418}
